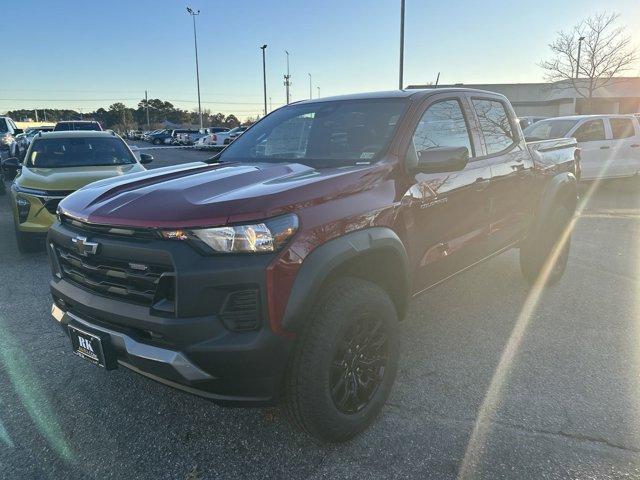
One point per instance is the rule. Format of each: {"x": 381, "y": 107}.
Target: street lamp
{"x": 287, "y": 78}
{"x": 401, "y": 44}
{"x": 580, "y": 40}
{"x": 264, "y": 76}
{"x": 193, "y": 14}
{"x": 318, "y": 92}
{"x": 310, "y": 88}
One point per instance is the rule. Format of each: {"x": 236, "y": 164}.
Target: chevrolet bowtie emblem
{"x": 83, "y": 247}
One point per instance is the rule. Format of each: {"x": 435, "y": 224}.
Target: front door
{"x": 595, "y": 149}
{"x": 446, "y": 214}
{"x": 625, "y": 146}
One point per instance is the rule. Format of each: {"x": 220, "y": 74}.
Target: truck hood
{"x": 67, "y": 179}
{"x": 201, "y": 195}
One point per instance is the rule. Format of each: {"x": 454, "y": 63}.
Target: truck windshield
{"x": 322, "y": 134}
{"x": 78, "y": 152}
{"x": 548, "y": 129}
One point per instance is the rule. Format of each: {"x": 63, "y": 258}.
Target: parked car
{"x": 23, "y": 140}
{"x": 160, "y": 137}
{"x": 57, "y": 164}
{"x": 526, "y": 121}
{"x": 234, "y": 133}
{"x": 211, "y": 138}
{"x": 609, "y": 144}
{"x": 8, "y": 133}
{"x": 281, "y": 269}
{"x": 64, "y": 126}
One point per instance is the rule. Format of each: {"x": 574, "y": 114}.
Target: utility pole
{"x": 45, "y": 114}
{"x": 310, "y": 88}
{"x": 270, "y": 105}
{"x": 438, "y": 79}
{"x": 318, "y": 92}
{"x": 580, "y": 40}
{"x": 287, "y": 78}
{"x": 146, "y": 104}
{"x": 264, "y": 76}
{"x": 193, "y": 14}
{"x": 36, "y": 110}
{"x": 400, "y": 82}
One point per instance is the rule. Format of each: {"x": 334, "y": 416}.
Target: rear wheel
{"x": 539, "y": 248}
{"x": 345, "y": 362}
{"x": 156, "y": 141}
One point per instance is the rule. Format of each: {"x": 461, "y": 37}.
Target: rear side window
{"x": 590, "y": 131}
{"x": 442, "y": 125}
{"x": 494, "y": 124}
{"x": 622, "y": 128}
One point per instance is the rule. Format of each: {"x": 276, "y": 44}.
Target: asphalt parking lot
{"x": 564, "y": 402}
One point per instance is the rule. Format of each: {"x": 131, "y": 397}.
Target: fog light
{"x": 24, "y": 206}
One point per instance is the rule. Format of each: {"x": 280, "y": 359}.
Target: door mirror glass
{"x": 442, "y": 159}
{"x": 146, "y": 158}
{"x": 10, "y": 167}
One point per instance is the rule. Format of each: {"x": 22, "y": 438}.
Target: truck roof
{"x": 78, "y": 134}
{"x": 406, "y": 93}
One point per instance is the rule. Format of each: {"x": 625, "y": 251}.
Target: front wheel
{"x": 156, "y": 141}
{"x": 345, "y": 362}
{"x": 540, "y": 248}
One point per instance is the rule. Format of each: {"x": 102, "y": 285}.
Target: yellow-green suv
{"x": 56, "y": 165}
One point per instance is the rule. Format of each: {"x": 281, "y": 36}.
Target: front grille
{"x": 52, "y": 205}
{"x": 241, "y": 310}
{"x": 109, "y": 229}
{"x": 111, "y": 277}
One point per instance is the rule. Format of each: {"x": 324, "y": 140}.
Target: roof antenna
{"x": 437, "y": 79}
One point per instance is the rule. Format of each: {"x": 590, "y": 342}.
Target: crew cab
{"x": 279, "y": 271}
{"x": 609, "y": 144}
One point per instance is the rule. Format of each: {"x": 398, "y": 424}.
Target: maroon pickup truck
{"x": 280, "y": 270}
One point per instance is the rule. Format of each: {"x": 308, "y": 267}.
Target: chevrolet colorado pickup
{"x": 280, "y": 269}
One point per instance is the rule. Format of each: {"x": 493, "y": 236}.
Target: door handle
{"x": 481, "y": 183}
{"x": 604, "y": 148}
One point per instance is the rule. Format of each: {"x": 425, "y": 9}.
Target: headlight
{"x": 23, "y": 206}
{"x": 6, "y": 139}
{"x": 268, "y": 236}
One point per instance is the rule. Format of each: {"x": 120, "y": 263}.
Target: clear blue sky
{"x": 85, "y": 54}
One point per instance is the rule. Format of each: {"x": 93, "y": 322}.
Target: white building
{"x": 622, "y": 95}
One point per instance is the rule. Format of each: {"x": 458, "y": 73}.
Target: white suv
{"x": 609, "y": 144}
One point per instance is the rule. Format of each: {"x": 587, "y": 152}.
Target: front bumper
{"x": 189, "y": 346}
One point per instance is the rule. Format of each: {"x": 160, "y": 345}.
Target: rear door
{"x": 625, "y": 146}
{"x": 446, "y": 214}
{"x": 511, "y": 195}
{"x": 595, "y": 148}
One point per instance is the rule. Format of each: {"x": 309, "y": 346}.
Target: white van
{"x": 609, "y": 144}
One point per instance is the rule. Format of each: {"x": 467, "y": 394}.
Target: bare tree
{"x": 607, "y": 51}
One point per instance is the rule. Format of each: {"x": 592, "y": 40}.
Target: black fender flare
{"x": 325, "y": 259}
{"x": 562, "y": 187}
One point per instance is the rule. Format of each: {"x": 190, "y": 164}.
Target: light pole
{"x": 580, "y": 40}
{"x": 193, "y": 14}
{"x": 318, "y": 92}
{"x": 146, "y": 104}
{"x": 400, "y": 82}
{"x": 264, "y": 76}
{"x": 287, "y": 78}
{"x": 270, "y": 104}
{"x": 310, "y": 88}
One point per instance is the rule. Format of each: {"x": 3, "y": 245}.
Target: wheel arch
{"x": 561, "y": 190}
{"x": 376, "y": 254}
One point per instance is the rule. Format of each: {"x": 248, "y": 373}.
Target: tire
{"x": 536, "y": 250}
{"x": 156, "y": 141}
{"x": 347, "y": 306}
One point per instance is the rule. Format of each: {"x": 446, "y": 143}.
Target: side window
{"x": 622, "y": 128}
{"x": 442, "y": 125}
{"x": 494, "y": 124}
{"x": 590, "y": 131}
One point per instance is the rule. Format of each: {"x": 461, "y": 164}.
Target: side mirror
{"x": 442, "y": 159}
{"x": 17, "y": 131}
{"x": 145, "y": 158}
{"x": 10, "y": 168}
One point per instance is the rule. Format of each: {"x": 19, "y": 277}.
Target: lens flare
{"x": 476, "y": 445}
{"x": 33, "y": 398}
